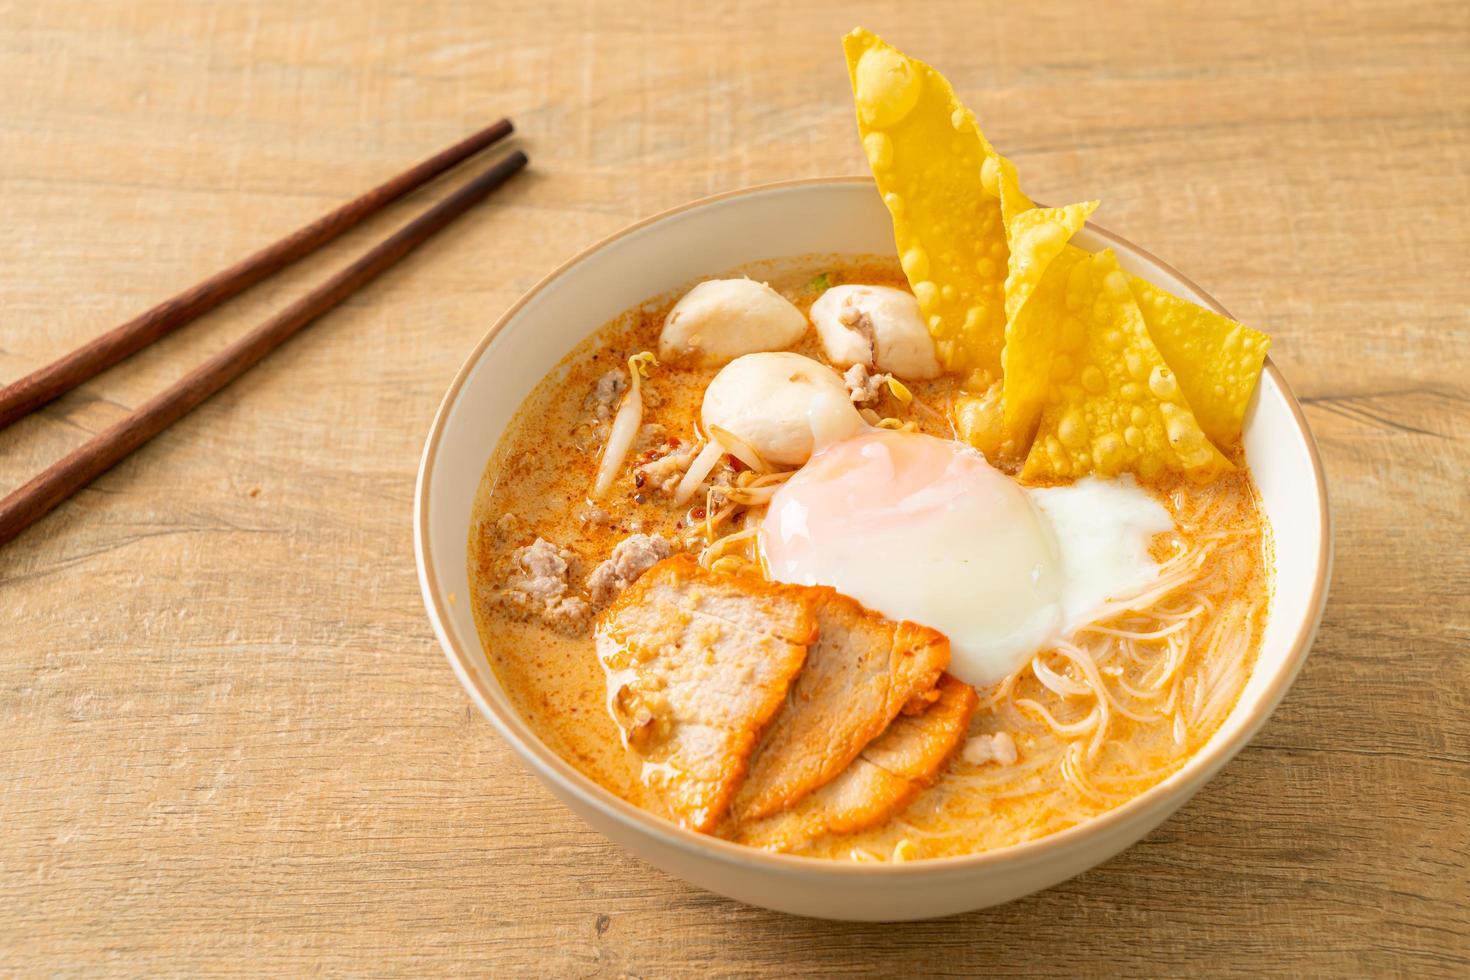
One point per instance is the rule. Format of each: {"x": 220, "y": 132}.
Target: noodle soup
{"x": 1095, "y": 715}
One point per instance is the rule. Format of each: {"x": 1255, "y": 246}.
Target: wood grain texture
{"x": 43, "y": 492}
{"x": 84, "y": 363}
{"x": 231, "y": 742}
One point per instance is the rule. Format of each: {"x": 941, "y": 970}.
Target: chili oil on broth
{"x": 1162, "y": 678}
{"x": 541, "y": 471}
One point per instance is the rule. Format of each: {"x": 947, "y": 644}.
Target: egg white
{"x": 1103, "y": 529}
{"x": 925, "y": 529}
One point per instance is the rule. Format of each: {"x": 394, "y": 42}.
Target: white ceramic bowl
{"x": 790, "y": 219}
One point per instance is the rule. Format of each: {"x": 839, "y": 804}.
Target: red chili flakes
{"x": 735, "y": 463}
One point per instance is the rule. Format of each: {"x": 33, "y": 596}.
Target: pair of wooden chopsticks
{"x": 58, "y": 482}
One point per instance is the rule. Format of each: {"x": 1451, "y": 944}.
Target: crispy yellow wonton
{"x": 1216, "y": 359}
{"x": 940, "y": 180}
{"x": 1069, "y": 363}
{"x": 1111, "y": 403}
{"x": 1036, "y": 313}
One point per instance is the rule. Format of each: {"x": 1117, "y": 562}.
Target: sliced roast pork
{"x": 881, "y": 782}
{"x": 858, "y": 676}
{"x": 698, "y": 664}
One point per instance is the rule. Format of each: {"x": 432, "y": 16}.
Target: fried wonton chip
{"x": 1017, "y": 310}
{"x": 941, "y": 181}
{"x": 1013, "y": 200}
{"x": 1034, "y": 238}
{"x": 1216, "y": 360}
{"x": 1041, "y": 325}
{"x": 977, "y": 420}
{"x": 1112, "y": 404}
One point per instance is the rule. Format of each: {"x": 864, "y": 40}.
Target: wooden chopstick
{"x": 86, "y": 362}
{"x": 74, "y": 471}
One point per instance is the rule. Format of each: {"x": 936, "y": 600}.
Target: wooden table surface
{"x": 230, "y": 740}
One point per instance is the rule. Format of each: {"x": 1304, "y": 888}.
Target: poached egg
{"x": 925, "y": 529}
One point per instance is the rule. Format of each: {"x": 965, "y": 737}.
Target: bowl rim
{"x": 548, "y": 765}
